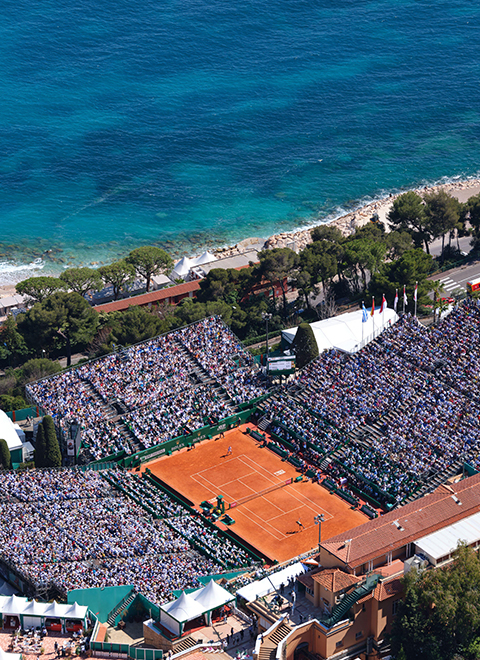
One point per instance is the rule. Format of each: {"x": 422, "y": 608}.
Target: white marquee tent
{"x": 347, "y": 332}
{"x": 182, "y": 268}
{"x": 211, "y": 597}
{"x": 34, "y": 613}
{"x": 176, "y": 613}
{"x": 205, "y": 258}
{"x": 9, "y": 433}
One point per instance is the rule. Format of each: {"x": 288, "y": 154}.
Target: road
{"x": 455, "y": 281}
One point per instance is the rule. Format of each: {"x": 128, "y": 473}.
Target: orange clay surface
{"x": 267, "y": 522}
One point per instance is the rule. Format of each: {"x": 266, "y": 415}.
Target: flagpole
{"x": 416, "y": 284}
{"x": 404, "y": 299}
{"x": 362, "y": 321}
{"x": 383, "y": 311}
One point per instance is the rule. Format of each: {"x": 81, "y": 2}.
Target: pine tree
{"x": 53, "y": 456}
{"x": 40, "y": 447}
{"x": 305, "y": 345}
{"x": 5, "y": 458}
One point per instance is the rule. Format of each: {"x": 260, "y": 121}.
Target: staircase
{"x": 342, "y": 608}
{"x": 184, "y": 645}
{"x": 264, "y": 423}
{"x": 125, "y": 602}
{"x": 268, "y": 650}
{"x": 435, "y": 481}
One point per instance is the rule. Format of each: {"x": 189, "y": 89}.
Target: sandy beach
{"x": 347, "y": 224}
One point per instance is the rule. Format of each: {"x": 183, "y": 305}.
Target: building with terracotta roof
{"x": 392, "y": 536}
{"x": 171, "y": 295}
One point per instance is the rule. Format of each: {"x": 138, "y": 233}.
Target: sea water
{"x": 193, "y": 123}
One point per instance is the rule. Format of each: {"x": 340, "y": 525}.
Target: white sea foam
{"x": 13, "y": 271}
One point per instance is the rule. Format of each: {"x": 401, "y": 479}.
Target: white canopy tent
{"x": 182, "y": 268}
{"x": 211, "y": 597}
{"x": 347, "y": 332}
{"x": 176, "y": 613}
{"x": 4, "y": 655}
{"x": 34, "y": 613}
{"x": 266, "y": 586}
{"x": 205, "y": 258}
{"x": 8, "y": 432}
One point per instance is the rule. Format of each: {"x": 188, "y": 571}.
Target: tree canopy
{"x": 5, "y": 457}
{"x": 408, "y": 213}
{"x": 39, "y": 288}
{"x": 62, "y": 319}
{"x": 53, "y": 456}
{"x": 440, "y": 616}
{"x": 119, "y": 274}
{"x": 304, "y": 345}
{"x": 149, "y": 261}
{"x": 81, "y": 280}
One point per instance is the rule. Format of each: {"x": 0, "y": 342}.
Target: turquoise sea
{"x": 187, "y": 123}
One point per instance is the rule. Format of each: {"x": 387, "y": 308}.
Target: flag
{"x": 373, "y": 307}
{"x": 405, "y": 300}
{"x": 364, "y": 314}
{"x": 415, "y": 292}
{"x": 395, "y": 302}
{"x": 383, "y": 305}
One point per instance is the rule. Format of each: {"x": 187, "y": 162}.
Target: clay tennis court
{"x": 269, "y": 518}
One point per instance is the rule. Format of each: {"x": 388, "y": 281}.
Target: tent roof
{"x": 183, "y": 266}
{"x": 205, "y": 258}
{"x": 212, "y": 595}
{"x": 183, "y": 609}
{"x": 347, "y": 331}
{"x": 8, "y": 433}
{"x": 15, "y": 605}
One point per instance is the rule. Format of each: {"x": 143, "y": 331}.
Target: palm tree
{"x": 438, "y": 291}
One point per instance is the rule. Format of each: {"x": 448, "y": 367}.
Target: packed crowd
{"x": 450, "y": 350}
{"x": 181, "y": 413}
{"x": 178, "y": 517}
{"x": 306, "y": 427}
{"x": 73, "y": 530}
{"x": 220, "y": 353}
{"x": 156, "y": 386}
{"x": 419, "y": 386}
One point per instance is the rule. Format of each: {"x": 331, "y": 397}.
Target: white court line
{"x": 198, "y": 475}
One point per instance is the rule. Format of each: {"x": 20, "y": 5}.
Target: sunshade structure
{"x": 263, "y": 587}
{"x": 212, "y": 597}
{"x": 16, "y": 610}
{"x": 175, "y": 614}
{"x": 347, "y": 332}
{"x": 8, "y": 432}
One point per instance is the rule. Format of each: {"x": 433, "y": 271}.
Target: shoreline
{"x": 300, "y": 238}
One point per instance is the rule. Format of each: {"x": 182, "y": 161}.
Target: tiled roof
{"x": 334, "y": 580}
{"x": 307, "y": 579}
{"x": 388, "y": 588}
{"x": 383, "y": 590}
{"x": 152, "y": 297}
{"x": 404, "y": 525}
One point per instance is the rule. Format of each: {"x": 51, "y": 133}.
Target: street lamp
{"x": 266, "y": 317}
{"x": 318, "y": 521}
